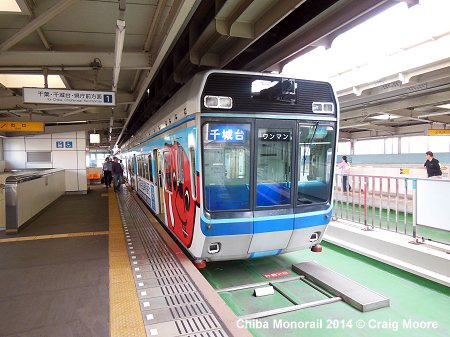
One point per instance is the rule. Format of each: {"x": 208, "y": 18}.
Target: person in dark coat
{"x": 117, "y": 173}
{"x": 432, "y": 165}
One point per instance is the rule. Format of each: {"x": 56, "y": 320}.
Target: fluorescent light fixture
{"x": 111, "y": 124}
{"x": 94, "y": 138}
{"x": 9, "y": 6}
{"x": 33, "y": 81}
{"x": 440, "y": 113}
{"x": 385, "y": 117}
{"x": 445, "y": 106}
{"x": 120, "y": 38}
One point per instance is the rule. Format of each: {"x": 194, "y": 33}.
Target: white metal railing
{"x": 384, "y": 202}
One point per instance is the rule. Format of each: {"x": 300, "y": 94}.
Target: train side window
{"x": 193, "y": 172}
{"x": 226, "y": 166}
{"x": 138, "y": 165}
{"x": 150, "y": 167}
{"x": 145, "y": 167}
{"x": 180, "y": 169}
{"x": 142, "y": 167}
{"x": 168, "y": 170}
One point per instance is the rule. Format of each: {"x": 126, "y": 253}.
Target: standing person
{"x": 345, "y": 170}
{"x": 107, "y": 167}
{"x": 123, "y": 170}
{"x": 116, "y": 173}
{"x": 432, "y": 165}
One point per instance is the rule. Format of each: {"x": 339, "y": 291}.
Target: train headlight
{"x": 221, "y": 102}
{"x": 211, "y": 101}
{"x": 322, "y": 107}
{"x": 225, "y": 102}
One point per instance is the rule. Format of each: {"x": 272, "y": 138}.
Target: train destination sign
{"x": 227, "y": 133}
{"x": 69, "y": 97}
{"x": 22, "y": 126}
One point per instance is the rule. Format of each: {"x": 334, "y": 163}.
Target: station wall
{"x": 57, "y": 150}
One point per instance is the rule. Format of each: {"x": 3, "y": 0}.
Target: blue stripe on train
{"x": 264, "y": 224}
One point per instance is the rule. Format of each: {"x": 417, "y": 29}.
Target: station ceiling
{"x": 167, "y": 41}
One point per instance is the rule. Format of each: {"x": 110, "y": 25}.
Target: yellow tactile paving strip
{"x": 125, "y": 313}
{"x": 53, "y": 236}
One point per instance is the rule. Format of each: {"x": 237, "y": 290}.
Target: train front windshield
{"x": 315, "y": 163}
{"x": 283, "y": 152}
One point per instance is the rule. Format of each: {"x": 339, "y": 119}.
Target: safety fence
{"x": 391, "y": 203}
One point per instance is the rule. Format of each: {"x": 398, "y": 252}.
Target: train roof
{"x": 186, "y": 102}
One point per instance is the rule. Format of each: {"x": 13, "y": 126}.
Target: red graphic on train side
{"x": 179, "y": 203}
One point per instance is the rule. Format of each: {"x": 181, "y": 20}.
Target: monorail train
{"x": 239, "y": 165}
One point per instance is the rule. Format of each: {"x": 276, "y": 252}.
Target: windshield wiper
{"x": 309, "y": 145}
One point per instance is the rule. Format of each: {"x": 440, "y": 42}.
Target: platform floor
{"x": 54, "y": 274}
{"x": 100, "y": 265}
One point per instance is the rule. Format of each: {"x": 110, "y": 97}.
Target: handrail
{"x": 384, "y": 202}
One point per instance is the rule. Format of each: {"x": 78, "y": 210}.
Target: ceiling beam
{"x": 36, "y": 23}
{"x": 154, "y": 23}
{"x": 75, "y": 127}
{"x": 187, "y": 7}
{"x": 401, "y": 102}
{"x": 335, "y": 17}
{"x": 56, "y": 118}
{"x": 25, "y": 8}
{"x": 58, "y": 60}
{"x": 366, "y": 124}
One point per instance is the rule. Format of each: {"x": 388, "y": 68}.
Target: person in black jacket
{"x": 432, "y": 165}
{"x": 117, "y": 173}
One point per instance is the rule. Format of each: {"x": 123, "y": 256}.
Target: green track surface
{"x": 412, "y": 298}
{"x": 396, "y": 222}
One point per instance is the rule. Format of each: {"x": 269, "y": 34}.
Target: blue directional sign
{"x": 69, "y": 145}
{"x": 59, "y": 144}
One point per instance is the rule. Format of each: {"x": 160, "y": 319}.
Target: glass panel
{"x": 168, "y": 170}
{"x": 193, "y": 172}
{"x": 180, "y": 170}
{"x": 130, "y": 166}
{"x": 370, "y": 146}
{"x": 144, "y": 168}
{"x": 273, "y": 179}
{"x": 150, "y": 168}
{"x": 315, "y": 157}
{"x": 414, "y": 144}
{"x": 343, "y": 148}
{"x": 226, "y": 163}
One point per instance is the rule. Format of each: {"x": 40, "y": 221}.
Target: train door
{"x": 134, "y": 173}
{"x": 159, "y": 182}
{"x": 273, "y": 177}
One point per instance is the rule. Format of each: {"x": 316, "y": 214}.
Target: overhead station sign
{"x": 438, "y": 132}
{"x": 69, "y": 97}
{"x": 22, "y": 126}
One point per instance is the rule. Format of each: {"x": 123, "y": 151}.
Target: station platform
{"x": 95, "y": 265}
{"x": 101, "y": 265}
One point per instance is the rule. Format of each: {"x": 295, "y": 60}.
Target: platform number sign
{"x": 69, "y": 145}
{"x": 107, "y": 98}
{"x": 59, "y": 144}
